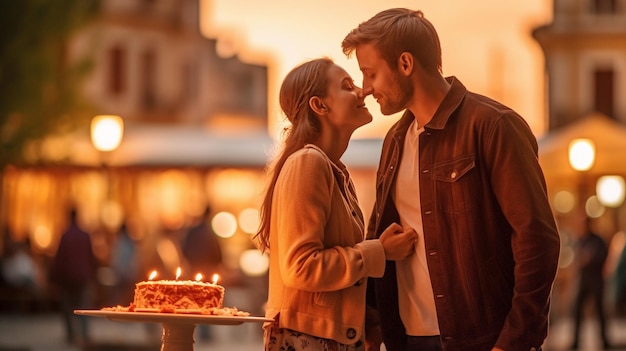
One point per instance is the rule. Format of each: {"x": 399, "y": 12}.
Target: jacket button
{"x": 351, "y": 333}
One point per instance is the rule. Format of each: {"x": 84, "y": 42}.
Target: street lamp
{"x": 107, "y": 132}
{"x": 582, "y": 154}
{"x": 106, "y": 136}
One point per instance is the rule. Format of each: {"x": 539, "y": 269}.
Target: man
{"x": 591, "y": 255}
{"x": 73, "y": 269}
{"x": 462, "y": 170}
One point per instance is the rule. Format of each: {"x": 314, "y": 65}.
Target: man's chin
{"x": 388, "y": 112}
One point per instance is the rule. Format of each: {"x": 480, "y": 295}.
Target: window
{"x": 604, "y": 91}
{"x": 147, "y": 79}
{"x": 117, "y": 70}
{"x": 190, "y": 82}
{"x": 604, "y": 7}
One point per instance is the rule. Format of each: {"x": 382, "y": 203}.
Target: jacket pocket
{"x": 325, "y": 299}
{"x": 456, "y": 184}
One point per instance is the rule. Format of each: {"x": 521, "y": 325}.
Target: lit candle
{"x": 178, "y": 270}
{"x": 152, "y": 275}
{"x": 215, "y": 278}
{"x": 199, "y": 277}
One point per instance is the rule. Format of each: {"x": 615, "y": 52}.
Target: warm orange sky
{"x": 487, "y": 44}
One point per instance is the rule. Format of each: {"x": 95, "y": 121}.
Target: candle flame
{"x": 199, "y": 277}
{"x": 152, "y": 275}
{"x": 215, "y": 278}
{"x": 178, "y": 271}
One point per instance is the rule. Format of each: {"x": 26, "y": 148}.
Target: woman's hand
{"x": 397, "y": 242}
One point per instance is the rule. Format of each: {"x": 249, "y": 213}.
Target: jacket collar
{"x": 448, "y": 105}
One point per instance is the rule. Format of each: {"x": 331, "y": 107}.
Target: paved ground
{"x": 44, "y": 332}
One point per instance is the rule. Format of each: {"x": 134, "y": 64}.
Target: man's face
{"x": 391, "y": 89}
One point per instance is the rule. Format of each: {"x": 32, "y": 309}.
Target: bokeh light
{"x": 249, "y": 220}
{"x": 610, "y": 190}
{"x": 253, "y": 263}
{"x": 224, "y": 224}
{"x": 564, "y": 201}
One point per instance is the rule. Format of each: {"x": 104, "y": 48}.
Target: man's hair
{"x": 395, "y": 31}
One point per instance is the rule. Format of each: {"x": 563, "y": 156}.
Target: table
{"x": 178, "y": 328}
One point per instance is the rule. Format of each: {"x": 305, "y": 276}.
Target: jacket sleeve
{"x": 518, "y": 183}
{"x": 302, "y": 207}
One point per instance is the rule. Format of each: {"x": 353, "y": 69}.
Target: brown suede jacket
{"x": 492, "y": 244}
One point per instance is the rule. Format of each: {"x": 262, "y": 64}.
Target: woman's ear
{"x": 317, "y": 105}
{"x": 405, "y": 63}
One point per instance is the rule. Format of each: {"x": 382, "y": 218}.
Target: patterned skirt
{"x": 281, "y": 339}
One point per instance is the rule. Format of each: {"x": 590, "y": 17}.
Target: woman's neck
{"x": 334, "y": 145}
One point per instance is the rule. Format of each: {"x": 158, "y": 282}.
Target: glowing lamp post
{"x": 106, "y": 136}
{"x": 582, "y": 154}
{"x": 107, "y": 132}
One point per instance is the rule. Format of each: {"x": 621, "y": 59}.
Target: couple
{"x": 461, "y": 241}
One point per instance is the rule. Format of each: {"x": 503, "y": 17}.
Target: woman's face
{"x": 345, "y": 101}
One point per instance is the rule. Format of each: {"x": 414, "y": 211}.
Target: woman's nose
{"x": 363, "y": 93}
{"x": 367, "y": 91}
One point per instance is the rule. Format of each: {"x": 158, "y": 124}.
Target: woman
{"x": 311, "y": 221}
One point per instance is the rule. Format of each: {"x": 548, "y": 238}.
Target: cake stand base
{"x": 177, "y": 337}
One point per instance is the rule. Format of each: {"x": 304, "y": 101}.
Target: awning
{"x": 609, "y": 137}
{"x": 172, "y": 146}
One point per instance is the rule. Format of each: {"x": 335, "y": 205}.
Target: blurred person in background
{"x": 591, "y": 252}
{"x": 203, "y": 253}
{"x": 125, "y": 266}
{"x": 21, "y": 274}
{"x": 463, "y": 171}
{"x": 619, "y": 281}
{"x": 201, "y": 247}
{"x": 311, "y": 222}
{"x": 74, "y": 272}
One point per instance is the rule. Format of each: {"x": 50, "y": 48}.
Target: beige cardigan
{"x": 319, "y": 263}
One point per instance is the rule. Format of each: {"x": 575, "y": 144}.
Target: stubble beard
{"x": 399, "y": 98}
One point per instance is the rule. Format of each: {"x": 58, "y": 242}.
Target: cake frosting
{"x": 177, "y": 295}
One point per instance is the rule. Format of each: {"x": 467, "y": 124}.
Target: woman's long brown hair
{"x": 301, "y": 83}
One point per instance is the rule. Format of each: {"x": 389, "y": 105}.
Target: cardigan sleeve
{"x": 302, "y": 207}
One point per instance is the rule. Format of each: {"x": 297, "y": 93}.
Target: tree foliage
{"x": 39, "y": 87}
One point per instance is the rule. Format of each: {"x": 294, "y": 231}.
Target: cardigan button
{"x": 351, "y": 333}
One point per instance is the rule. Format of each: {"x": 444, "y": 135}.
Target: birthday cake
{"x": 172, "y": 295}
{"x": 179, "y": 296}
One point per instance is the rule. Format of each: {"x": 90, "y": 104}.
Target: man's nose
{"x": 365, "y": 92}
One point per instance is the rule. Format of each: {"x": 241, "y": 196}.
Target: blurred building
{"x": 585, "y": 70}
{"x": 195, "y": 133}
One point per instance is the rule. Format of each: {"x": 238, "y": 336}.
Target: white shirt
{"x": 415, "y": 293}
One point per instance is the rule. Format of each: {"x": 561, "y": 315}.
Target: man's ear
{"x": 317, "y": 105}
{"x": 405, "y": 63}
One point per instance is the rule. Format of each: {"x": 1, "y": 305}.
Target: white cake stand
{"x": 178, "y": 329}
